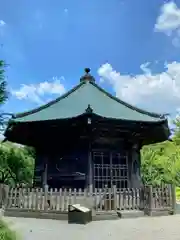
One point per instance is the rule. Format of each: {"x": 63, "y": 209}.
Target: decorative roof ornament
{"x": 89, "y": 109}
{"x": 87, "y": 77}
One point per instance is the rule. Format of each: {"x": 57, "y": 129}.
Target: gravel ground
{"x": 125, "y": 229}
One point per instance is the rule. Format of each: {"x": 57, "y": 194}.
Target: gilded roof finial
{"x": 87, "y": 76}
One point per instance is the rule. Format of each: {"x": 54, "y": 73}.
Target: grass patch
{"x": 6, "y": 233}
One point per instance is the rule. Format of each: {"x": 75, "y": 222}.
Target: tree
{"x": 3, "y": 93}
{"x": 16, "y": 166}
{"x": 176, "y": 136}
{"x": 16, "y": 163}
{"x": 6, "y": 232}
{"x": 161, "y": 163}
{"x": 30, "y": 151}
{"x": 3, "y": 83}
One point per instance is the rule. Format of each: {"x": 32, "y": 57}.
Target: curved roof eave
{"x": 158, "y": 117}
{"x": 162, "y": 120}
{"x": 32, "y": 111}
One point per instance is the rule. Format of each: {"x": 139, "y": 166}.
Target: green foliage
{"x": 6, "y": 233}
{"x": 30, "y": 151}
{"x": 178, "y": 193}
{"x": 16, "y": 164}
{"x": 3, "y": 92}
{"x": 176, "y": 137}
{"x": 3, "y": 83}
{"x": 161, "y": 162}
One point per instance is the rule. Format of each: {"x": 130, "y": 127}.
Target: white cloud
{"x": 36, "y": 92}
{"x": 2, "y": 23}
{"x": 156, "y": 92}
{"x": 65, "y": 10}
{"x": 168, "y": 22}
{"x": 2, "y": 29}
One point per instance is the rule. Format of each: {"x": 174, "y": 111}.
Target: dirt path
{"x": 163, "y": 228}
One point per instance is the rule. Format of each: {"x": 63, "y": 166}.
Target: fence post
{"x": 46, "y": 205}
{"x": 150, "y": 204}
{"x": 89, "y": 196}
{"x": 1, "y": 195}
{"x": 141, "y": 195}
{"x": 115, "y": 197}
{"x": 4, "y": 191}
{"x": 173, "y": 196}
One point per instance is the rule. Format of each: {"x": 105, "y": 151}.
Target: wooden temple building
{"x": 87, "y": 137}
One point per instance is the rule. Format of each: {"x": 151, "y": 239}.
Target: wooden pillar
{"x": 90, "y": 168}
{"x": 136, "y": 181}
{"x": 45, "y": 172}
{"x": 90, "y": 200}
{"x": 90, "y": 163}
{"x": 39, "y": 169}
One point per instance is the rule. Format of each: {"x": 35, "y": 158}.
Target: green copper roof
{"x": 76, "y": 101}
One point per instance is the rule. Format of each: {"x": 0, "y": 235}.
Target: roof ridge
{"x": 35, "y": 110}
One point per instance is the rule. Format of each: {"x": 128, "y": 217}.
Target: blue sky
{"x": 132, "y": 48}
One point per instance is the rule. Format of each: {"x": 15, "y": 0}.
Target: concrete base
{"x": 177, "y": 208}
{"x": 131, "y": 214}
{"x": 160, "y": 213}
{"x": 95, "y": 216}
{"x": 36, "y": 214}
{"x": 64, "y": 216}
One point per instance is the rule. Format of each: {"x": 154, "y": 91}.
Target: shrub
{"x": 6, "y": 233}
{"x": 178, "y": 193}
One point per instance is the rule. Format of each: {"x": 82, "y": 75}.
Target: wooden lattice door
{"x": 110, "y": 168}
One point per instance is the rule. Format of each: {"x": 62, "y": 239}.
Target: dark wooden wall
{"x": 62, "y": 169}
{"x": 71, "y": 169}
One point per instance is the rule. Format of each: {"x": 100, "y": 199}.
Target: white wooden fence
{"x": 59, "y": 199}
{"x": 112, "y": 199}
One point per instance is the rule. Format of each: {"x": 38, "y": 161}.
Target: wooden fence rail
{"x": 146, "y": 199}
